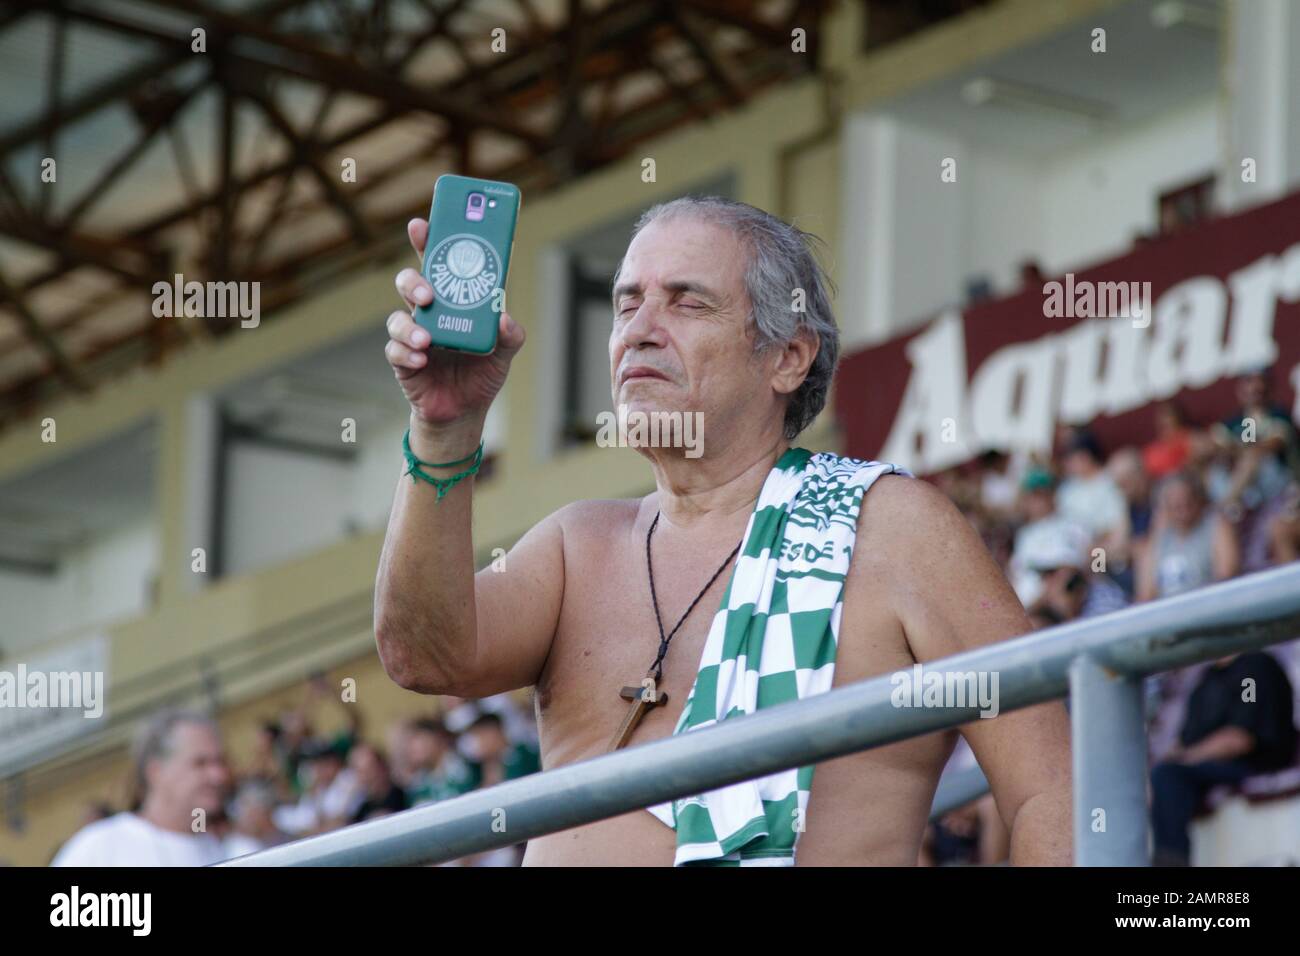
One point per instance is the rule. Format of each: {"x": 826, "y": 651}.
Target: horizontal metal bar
{"x": 958, "y": 788}
{"x": 1242, "y": 614}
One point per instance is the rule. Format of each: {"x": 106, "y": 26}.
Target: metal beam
{"x": 15, "y": 12}
{"x": 251, "y": 39}
{"x": 54, "y": 77}
{"x": 306, "y": 153}
{"x": 513, "y": 172}
{"x": 289, "y": 54}
{"x": 1242, "y": 614}
{"x": 219, "y": 251}
{"x": 41, "y": 337}
{"x": 125, "y": 83}
{"x": 118, "y": 167}
{"x": 82, "y": 249}
{"x": 768, "y": 34}
{"x": 956, "y": 789}
{"x": 699, "y": 43}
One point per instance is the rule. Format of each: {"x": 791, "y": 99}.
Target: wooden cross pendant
{"x": 643, "y": 698}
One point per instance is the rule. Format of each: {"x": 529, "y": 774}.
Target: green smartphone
{"x": 466, "y": 259}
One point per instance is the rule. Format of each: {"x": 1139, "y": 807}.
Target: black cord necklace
{"x": 647, "y": 694}
{"x": 658, "y": 666}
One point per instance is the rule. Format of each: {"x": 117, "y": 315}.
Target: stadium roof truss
{"x": 208, "y": 138}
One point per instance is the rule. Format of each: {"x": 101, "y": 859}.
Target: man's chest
{"x": 608, "y": 641}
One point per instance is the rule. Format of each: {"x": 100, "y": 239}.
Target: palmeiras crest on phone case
{"x": 464, "y": 271}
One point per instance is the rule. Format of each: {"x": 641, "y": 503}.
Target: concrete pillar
{"x": 1262, "y": 100}
{"x": 186, "y": 459}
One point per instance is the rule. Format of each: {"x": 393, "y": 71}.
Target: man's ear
{"x": 794, "y": 360}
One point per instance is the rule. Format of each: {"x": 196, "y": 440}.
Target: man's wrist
{"x": 445, "y": 442}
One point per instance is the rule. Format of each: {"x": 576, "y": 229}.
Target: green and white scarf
{"x": 773, "y": 640}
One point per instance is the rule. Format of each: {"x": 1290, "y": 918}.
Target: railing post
{"x": 1109, "y": 742}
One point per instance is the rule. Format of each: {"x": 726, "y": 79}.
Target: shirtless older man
{"x": 702, "y": 322}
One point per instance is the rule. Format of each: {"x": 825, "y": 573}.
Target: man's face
{"x": 1166, "y": 420}
{"x": 680, "y": 310}
{"x": 366, "y": 765}
{"x": 253, "y": 813}
{"x": 1068, "y": 587}
{"x": 1131, "y": 479}
{"x": 324, "y": 769}
{"x": 1079, "y": 463}
{"x": 489, "y": 742}
{"x": 194, "y": 775}
{"x": 1037, "y": 504}
{"x": 265, "y": 741}
{"x": 424, "y": 749}
{"x": 1182, "y": 505}
{"x": 294, "y": 726}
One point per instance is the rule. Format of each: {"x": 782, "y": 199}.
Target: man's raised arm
{"x": 441, "y": 629}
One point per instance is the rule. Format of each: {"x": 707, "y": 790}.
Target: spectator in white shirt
{"x": 333, "y": 793}
{"x": 1044, "y": 529}
{"x": 181, "y": 778}
{"x": 1089, "y": 496}
{"x": 251, "y": 813}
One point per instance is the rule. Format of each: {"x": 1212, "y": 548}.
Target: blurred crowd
{"x": 1086, "y": 532}
{"x": 191, "y": 807}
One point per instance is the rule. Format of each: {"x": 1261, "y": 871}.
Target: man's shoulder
{"x": 897, "y": 502}
{"x": 903, "y": 520}
{"x": 118, "y": 823}
{"x": 1070, "y": 487}
{"x": 595, "y": 517}
{"x": 909, "y": 526}
{"x": 93, "y": 841}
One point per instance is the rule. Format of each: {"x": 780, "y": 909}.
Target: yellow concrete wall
{"x": 784, "y": 148}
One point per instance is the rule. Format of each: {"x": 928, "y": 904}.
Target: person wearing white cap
{"x": 1059, "y": 583}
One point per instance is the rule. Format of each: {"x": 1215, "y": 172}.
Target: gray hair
{"x": 154, "y": 742}
{"x": 781, "y": 259}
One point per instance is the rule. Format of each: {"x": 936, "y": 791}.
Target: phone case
{"x": 466, "y": 262}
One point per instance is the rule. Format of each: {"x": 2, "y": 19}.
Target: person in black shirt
{"x": 1239, "y": 722}
{"x": 383, "y": 796}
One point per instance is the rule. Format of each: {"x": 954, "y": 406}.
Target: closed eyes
{"x": 631, "y": 308}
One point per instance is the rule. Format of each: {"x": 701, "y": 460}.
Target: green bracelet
{"x": 442, "y": 484}
{"x": 410, "y": 456}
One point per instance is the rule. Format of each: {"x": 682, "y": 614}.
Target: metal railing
{"x": 1098, "y": 662}
{"x": 956, "y": 789}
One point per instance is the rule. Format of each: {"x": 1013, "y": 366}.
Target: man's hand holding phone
{"x": 449, "y": 391}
